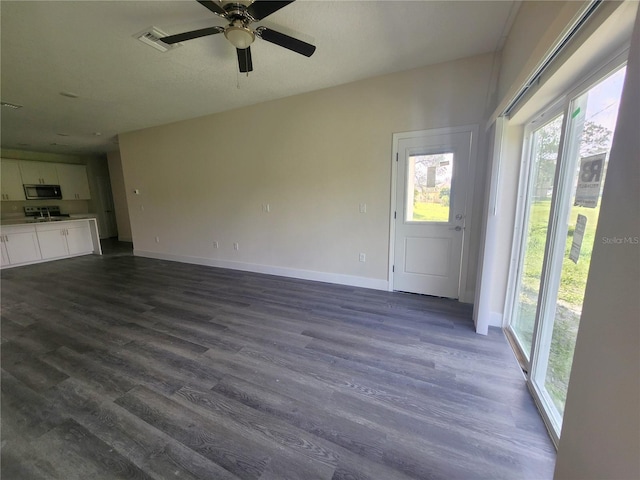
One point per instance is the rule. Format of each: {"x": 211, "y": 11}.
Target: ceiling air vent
{"x": 151, "y": 36}
{"x": 13, "y": 106}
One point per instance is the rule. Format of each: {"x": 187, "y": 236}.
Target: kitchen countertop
{"x": 36, "y": 221}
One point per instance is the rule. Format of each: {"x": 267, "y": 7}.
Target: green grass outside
{"x": 570, "y": 295}
{"x": 431, "y": 212}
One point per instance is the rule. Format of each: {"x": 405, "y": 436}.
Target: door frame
{"x": 463, "y": 295}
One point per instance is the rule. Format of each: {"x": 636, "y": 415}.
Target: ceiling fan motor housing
{"x": 237, "y": 11}
{"x": 239, "y": 35}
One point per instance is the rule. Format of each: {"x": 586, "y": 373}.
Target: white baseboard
{"x": 340, "y": 279}
{"x": 494, "y": 320}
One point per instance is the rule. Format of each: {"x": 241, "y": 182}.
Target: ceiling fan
{"x": 241, "y": 14}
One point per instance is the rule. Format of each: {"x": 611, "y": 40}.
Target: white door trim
{"x": 463, "y": 295}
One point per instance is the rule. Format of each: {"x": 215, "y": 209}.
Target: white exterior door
{"x": 430, "y": 211}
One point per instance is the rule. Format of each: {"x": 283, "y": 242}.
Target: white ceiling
{"x": 88, "y": 48}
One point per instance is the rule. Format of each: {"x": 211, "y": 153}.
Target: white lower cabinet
{"x": 79, "y": 239}
{"x": 24, "y": 244}
{"x": 53, "y": 243}
{"x": 5, "y": 254}
{"x": 19, "y": 245}
{"x": 63, "y": 240}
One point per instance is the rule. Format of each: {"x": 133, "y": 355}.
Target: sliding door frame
{"x": 555, "y": 240}
{"x": 522, "y": 221}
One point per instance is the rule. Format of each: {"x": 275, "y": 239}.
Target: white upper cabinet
{"x": 73, "y": 181}
{"x": 43, "y": 173}
{"x": 11, "y": 180}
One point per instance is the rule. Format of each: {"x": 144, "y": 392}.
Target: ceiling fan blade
{"x": 181, "y": 37}
{"x": 263, "y": 8}
{"x": 213, "y": 6}
{"x": 298, "y": 46}
{"x": 244, "y": 59}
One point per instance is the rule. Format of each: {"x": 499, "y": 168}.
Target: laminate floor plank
{"x": 26, "y": 415}
{"x": 92, "y": 373}
{"x": 36, "y": 374}
{"x": 70, "y": 449}
{"x": 240, "y": 455}
{"x": 130, "y": 367}
{"x": 252, "y": 423}
{"x": 142, "y": 369}
{"x": 150, "y": 449}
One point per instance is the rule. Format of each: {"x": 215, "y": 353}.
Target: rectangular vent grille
{"x": 13, "y": 106}
{"x": 151, "y": 36}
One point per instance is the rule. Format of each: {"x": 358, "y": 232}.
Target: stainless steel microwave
{"x": 42, "y": 192}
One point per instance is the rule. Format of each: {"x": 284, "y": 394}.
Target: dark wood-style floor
{"x": 126, "y": 367}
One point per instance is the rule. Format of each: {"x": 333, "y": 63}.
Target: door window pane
{"x": 429, "y": 187}
{"x": 545, "y": 142}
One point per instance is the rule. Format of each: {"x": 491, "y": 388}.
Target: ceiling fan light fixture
{"x": 239, "y": 36}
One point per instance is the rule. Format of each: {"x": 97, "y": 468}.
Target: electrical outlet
{"x": 236, "y": 246}
{"x": 363, "y": 208}
{"x": 157, "y": 239}
{"x": 362, "y": 257}
{"x": 216, "y": 244}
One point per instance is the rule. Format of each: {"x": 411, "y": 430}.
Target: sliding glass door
{"x": 567, "y": 157}
{"x": 539, "y": 187}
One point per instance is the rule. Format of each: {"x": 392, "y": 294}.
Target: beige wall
{"x": 119, "y": 190}
{"x": 313, "y": 158}
{"x": 601, "y": 431}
